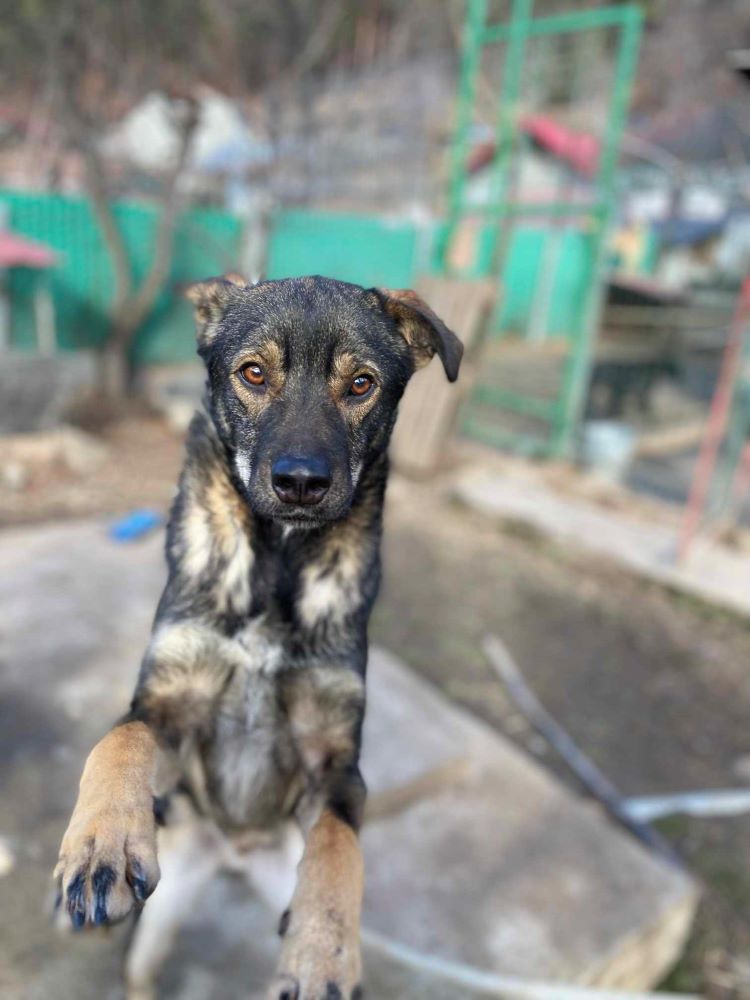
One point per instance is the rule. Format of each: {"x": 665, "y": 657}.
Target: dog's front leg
{"x": 320, "y": 958}
{"x": 108, "y": 855}
{"x": 108, "y": 860}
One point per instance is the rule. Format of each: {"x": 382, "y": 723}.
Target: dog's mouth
{"x": 301, "y": 518}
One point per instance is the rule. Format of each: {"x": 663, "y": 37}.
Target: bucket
{"x": 607, "y": 448}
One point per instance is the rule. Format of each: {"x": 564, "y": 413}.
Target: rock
{"x": 25, "y": 456}
{"x": 37, "y": 393}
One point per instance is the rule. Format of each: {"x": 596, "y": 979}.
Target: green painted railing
{"x": 569, "y": 303}
{"x": 367, "y": 250}
{"x": 207, "y": 242}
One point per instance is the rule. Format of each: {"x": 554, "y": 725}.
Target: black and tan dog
{"x": 248, "y": 710}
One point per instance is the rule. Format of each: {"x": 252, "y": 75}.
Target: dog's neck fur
{"x": 231, "y": 566}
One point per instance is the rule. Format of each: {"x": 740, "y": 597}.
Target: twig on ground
{"x": 584, "y": 769}
{"x": 466, "y": 977}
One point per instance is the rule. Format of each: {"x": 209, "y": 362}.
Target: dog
{"x": 244, "y": 731}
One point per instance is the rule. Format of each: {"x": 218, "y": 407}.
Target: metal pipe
{"x": 717, "y": 422}
{"x": 470, "y": 58}
{"x": 577, "y": 371}
{"x": 558, "y": 24}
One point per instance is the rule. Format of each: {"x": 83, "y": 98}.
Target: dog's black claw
{"x": 102, "y": 881}
{"x": 140, "y": 889}
{"x": 358, "y": 993}
{"x": 290, "y": 992}
{"x": 76, "y": 903}
{"x": 138, "y": 883}
{"x": 286, "y": 916}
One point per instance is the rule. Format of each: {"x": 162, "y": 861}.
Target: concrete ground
{"x": 647, "y": 546}
{"x": 652, "y": 685}
{"x": 503, "y": 869}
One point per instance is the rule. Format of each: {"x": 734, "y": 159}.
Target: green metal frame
{"x": 500, "y": 214}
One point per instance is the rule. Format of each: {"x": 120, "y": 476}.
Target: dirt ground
{"x": 654, "y": 687}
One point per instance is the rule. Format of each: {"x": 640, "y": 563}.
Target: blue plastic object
{"x": 135, "y": 525}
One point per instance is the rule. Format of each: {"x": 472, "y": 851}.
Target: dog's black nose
{"x": 300, "y": 480}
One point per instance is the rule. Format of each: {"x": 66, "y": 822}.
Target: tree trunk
{"x": 131, "y": 306}
{"x": 115, "y": 376}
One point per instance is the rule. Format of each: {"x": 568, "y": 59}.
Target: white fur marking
{"x": 243, "y": 467}
{"x": 331, "y": 596}
{"x": 198, "y": 542}
{"x": 233, "y": 589}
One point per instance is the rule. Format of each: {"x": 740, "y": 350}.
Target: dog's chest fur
{"x": 277, "y": 628}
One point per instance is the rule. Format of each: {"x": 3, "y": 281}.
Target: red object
{"x": 579, "y": 149}
{"x": 16, "y": 251}
{"x": 717, "y": 422}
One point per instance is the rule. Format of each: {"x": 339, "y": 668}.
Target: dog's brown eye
{"x": 252, "y": 374}
{"x": 361, "y": 385}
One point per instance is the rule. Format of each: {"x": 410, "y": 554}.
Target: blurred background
{"x": 568, "y": 185}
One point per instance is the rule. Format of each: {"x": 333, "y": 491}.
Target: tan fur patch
{"x": 191, "y": 667}
{"x": 423, "y": 330}
{"x": 330, "y": 593}
{"x": 331, "y": 586}
{"x": 197, "y": 538}
{"x": 210, "y": 299}
{"x": 323, "y": 706}
{"x": 216, "y": 524}
{"x": 345, "y": 368}
{"x": 229, "y": 524}
{"x": 270, "y": 358}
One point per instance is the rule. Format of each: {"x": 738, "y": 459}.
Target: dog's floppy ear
{"x": 211, "y": 298}
{"x": 423, "y": 331}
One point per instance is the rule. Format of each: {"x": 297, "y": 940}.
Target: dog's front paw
{"x": 320, "y": 960}
{"x": 107, "y": 864}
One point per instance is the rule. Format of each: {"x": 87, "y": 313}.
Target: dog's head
{"x": 305, "y": 375}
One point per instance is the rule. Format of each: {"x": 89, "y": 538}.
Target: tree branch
{"x": 102, "y": 207}
{"x": 68, "y": 64}
{"x": 136, "y": 311}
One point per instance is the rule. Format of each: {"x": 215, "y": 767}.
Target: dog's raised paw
{"x": 107, "y": 866}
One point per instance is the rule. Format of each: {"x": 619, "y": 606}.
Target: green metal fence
{"x": 373, "y": 250}
{"x": 367, "y": 250}
{"x": 535, "y": 402}
{"x": 207, "y": 242}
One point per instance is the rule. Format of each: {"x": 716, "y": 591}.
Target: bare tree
{"x": 75, "y": 59}
{"x": 101, "y": 57}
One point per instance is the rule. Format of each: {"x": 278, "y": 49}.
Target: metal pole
{"x": 507, "y": 127}
{"x": 470, "y": 59}
{"x": 559, "y": 24}
{"x": 577, "y": 371}
{"x": 717, "y": 422}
